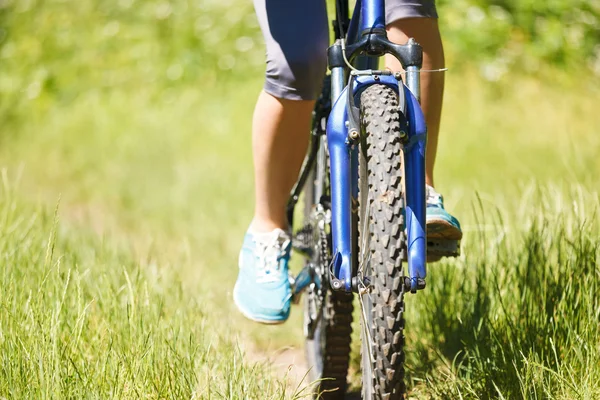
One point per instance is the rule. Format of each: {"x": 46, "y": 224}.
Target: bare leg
{"x": 280, "y": 133}
{"x": 426, "y": 33}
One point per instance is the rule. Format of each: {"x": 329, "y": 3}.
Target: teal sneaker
{"x": 440, "y": 224}
{"x": 262, "y": 291}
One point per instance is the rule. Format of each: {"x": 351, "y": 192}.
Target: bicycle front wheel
{"x": 381, "y": 245}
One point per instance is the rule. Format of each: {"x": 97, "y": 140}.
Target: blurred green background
{"x": 136, "y": 114}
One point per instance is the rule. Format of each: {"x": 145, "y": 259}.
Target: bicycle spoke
{"x": 367, "y": 333}
{"x": 364, "y": 289}
{"x": 365, "y": 256}
{"x": 364, "y": 240}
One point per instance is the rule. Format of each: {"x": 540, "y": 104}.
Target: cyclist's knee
{"x": 297, "y": 76}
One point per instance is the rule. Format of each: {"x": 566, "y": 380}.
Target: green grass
{"x": 141, "y": 129}
{"x": 82, "y": 317}
{"x": 517, "y": 316}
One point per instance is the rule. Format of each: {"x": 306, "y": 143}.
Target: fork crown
{"x": 344, "y": 184}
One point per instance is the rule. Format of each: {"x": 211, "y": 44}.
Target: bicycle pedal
{"x": 439, "y": 248}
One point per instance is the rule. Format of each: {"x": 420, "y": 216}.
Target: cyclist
{"x": 296, "y": 36}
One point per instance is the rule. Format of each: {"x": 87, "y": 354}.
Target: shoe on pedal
{"x": 262, "y": 291}
{"x": 440, "y": 224}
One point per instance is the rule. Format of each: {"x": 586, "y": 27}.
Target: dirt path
{"x": 290, "y": 362}
{"x": 287, "y": 363}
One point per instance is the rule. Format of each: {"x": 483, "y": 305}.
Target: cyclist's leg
{"x": 296, "y": 38}
{"x": 418, "y": 19}
{"x": 279, "y": 140}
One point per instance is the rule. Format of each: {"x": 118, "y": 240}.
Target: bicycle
{"x": 363, "y": 181}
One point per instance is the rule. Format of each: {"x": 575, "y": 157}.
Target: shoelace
{"x": 433, "y": 198}
{"x": 268, "y": 254}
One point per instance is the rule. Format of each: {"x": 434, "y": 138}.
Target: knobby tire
{"x": 382, "y": 205}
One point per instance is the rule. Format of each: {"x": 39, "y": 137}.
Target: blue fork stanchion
{"x": 340, "y": 158}
{"x": 414, "y": 167}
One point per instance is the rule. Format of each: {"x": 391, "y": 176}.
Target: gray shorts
{"x": 296, "y": 33}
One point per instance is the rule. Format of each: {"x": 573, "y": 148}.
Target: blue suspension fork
{"x": 415, "y": 210}
{"x": 344, "y": 182}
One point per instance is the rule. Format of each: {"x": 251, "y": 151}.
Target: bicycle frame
{"x": 366, "y": 42}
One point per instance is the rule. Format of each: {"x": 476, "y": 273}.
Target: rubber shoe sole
{"x": 438, "y": 228}
{"x": 255, "y": 318}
